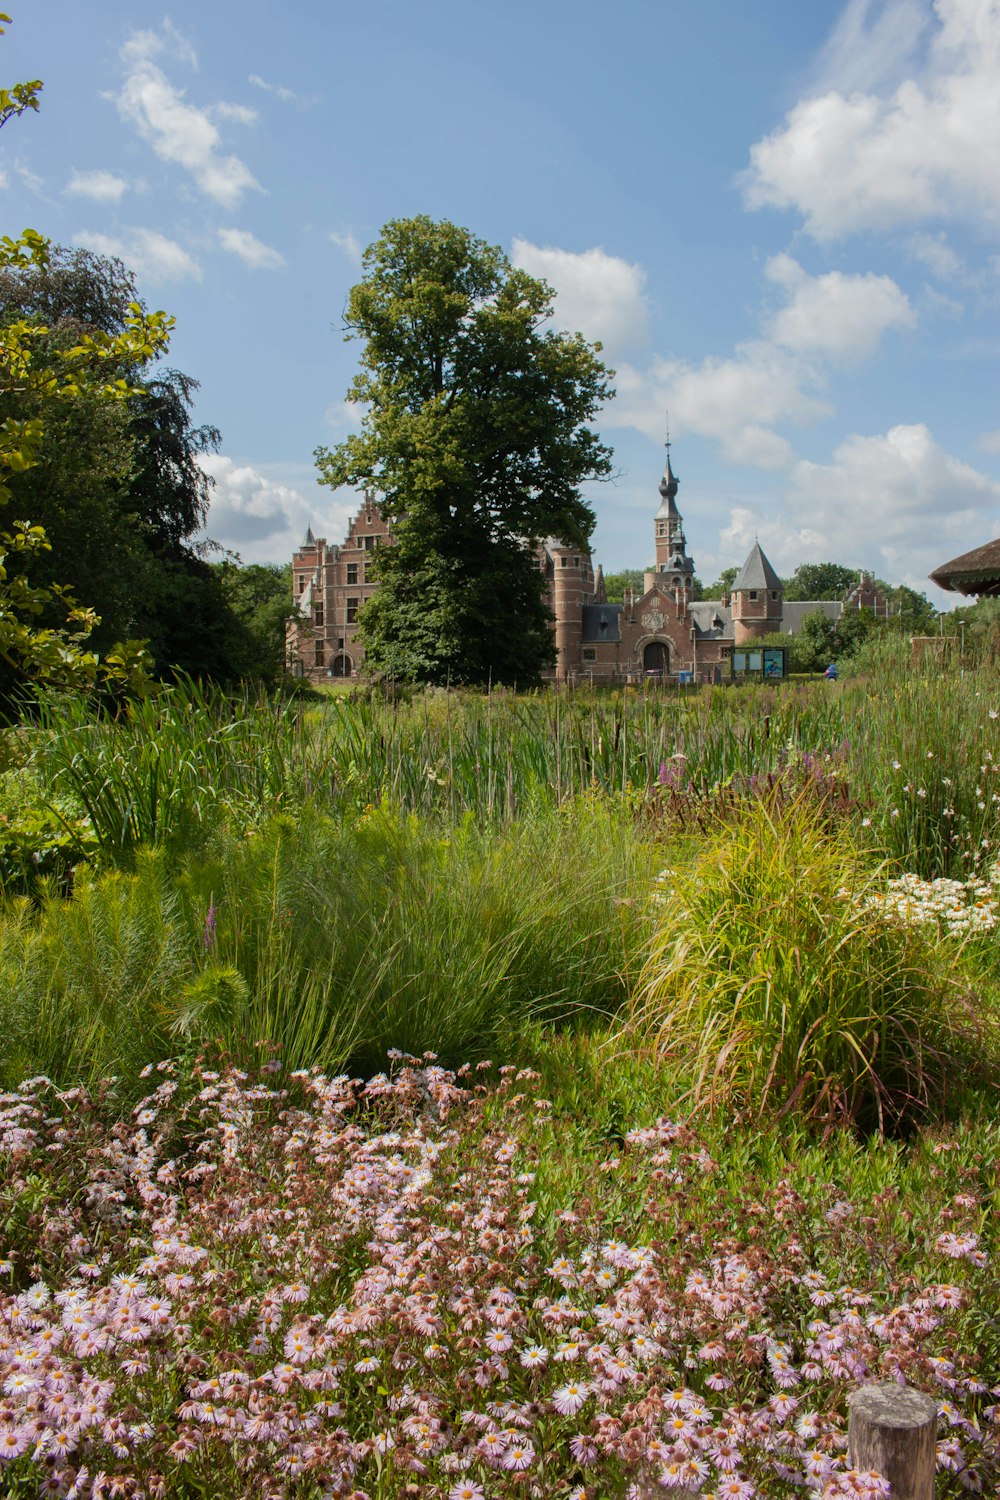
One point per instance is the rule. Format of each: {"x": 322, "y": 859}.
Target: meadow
{"x": 572, "y": 1094}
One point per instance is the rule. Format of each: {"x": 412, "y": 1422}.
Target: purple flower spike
{"x": 209, "y": 936}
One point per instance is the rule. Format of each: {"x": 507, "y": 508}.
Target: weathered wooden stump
{"x": 892, "y": 1429}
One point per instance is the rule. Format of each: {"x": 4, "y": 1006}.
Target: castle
{"x": 664, "y": 633}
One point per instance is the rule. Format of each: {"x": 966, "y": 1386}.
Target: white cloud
{"x": 177, "y": 131}
{"x": 346, "y": 241}
{"x": 151, "y": 255}
{"x": 934, "y": 252}
{"x": 843, "y": 317}
{"x": 895, "y": 502}
{"x": 240, "y": 114}
{"x": 739, "y": 399}
{"x": 100, "y": 185}
{"x": 288, "y": 96}
{"x": 251, "y": 251}
{"x": 864, "y": 157}
{"x": 873, "y": 44}
{"x": 597, "y": 294}
{"x": 262, "y": 511}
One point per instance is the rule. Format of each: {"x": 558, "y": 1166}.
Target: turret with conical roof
{"x": 758, "y": 598}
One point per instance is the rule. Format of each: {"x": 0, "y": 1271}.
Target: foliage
{"x": 334, "y": 940}
{"x": 475, "y": 437}
{"x": 437, "y": 1312}
{"x": 35, "y": 372}
{"x": 259, "y": 596}
{"x": 616, "y": 585}
{"x": 779, "y": 985}
{"x": 820, "y": 581}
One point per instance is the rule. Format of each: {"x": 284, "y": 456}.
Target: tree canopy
{"x": 476, "y": 438}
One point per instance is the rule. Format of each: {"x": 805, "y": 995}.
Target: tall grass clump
{"x": 773, "y": 984}
{"x": 165, "y": 770}
{"x": 384, "y": 932}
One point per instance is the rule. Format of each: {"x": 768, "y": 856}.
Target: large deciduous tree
{"x": 476, "y": 437}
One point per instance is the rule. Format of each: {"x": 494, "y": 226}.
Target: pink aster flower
{"x": 568, "y": 1399}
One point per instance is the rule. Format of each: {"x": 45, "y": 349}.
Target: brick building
{"x": 663, "y": 633}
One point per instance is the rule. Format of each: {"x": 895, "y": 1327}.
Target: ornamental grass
{"x": 775, "y": 981}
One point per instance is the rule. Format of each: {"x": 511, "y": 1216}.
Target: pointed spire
{"x": 668, "y": 488}
{"x": 310, "y": 540}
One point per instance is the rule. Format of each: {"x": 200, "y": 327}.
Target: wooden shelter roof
{"x": 975, "y": 572}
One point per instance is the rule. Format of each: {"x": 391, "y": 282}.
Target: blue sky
{"x": 781, "y": 219}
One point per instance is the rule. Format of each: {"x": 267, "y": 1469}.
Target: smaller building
{"x": 976, "y": 572}
{"x": 329, "y": 585}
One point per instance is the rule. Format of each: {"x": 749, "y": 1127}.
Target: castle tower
{"x": 674, "y": 569}
{"x": 669, "y": 524}
{"x": 758, "y": 599}
{"x": 572, "y": 588}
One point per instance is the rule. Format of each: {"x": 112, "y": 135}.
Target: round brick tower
{"x": 758, "y": 599}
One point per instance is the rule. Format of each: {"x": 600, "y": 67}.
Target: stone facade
{"x": 661, "y": 634}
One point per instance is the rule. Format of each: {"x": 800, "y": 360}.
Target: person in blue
{"x": 831, "y": 672}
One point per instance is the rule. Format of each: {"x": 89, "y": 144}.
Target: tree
{"x": 825, "y": 580}
{"x": 118, "y": 487}
{"x": 616, "y": 585}
{"x": 723, "y": 584}
{"x": 35, "y": 372}
{"x": 476, "y": 438}
{"x": 259, "y": 595}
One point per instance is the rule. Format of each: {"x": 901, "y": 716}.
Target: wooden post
{"x": 892, "y": 1429}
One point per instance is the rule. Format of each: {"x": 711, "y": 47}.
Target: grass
{"x": 774, "y": 986}
{"x": 335, "y": 941}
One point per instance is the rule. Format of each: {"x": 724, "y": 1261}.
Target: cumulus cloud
{"x": 864, "y": 156}
{"x": 251, "y": 251}
{"x": 843, "y": 317}
{"x": 934, "y": 252}
{"x": 178, "y": 132}
{"x": 738, "y": 400}
{"x": 598, "y": 295}
{"x": 262, "y": 511}
{"x": 100, "y": 185}
{"x": 895, "y": 502}
{"x": 151, "y": 255}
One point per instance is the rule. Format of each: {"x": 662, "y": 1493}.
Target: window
{"x": 369, "y": 543}
{"x": 677, "y": 581}
{"x": 661, "y": 528}
{"x": 589, "y": 653}
{"x": 564, "y": 561}
{"x": 352, "y": 572}
{"x": 317, "y": 614}
{"x": 352, "y": 611}
{"x": 368, "y": 519}
{"x": 318, "y": 653}
{"x": 576, "y": 562}
{"x": 774, "y": 593}
{"x": 364, "y": 573}
{"x": 302, "y": 582}
{"x": 752, "y": 594}
{"x": 340, "y": 644}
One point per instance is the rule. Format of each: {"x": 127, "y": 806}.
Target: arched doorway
{"x": 656, "y": 658}
{"x": 341, "y": 666}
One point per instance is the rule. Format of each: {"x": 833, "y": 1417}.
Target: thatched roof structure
{"x": 975, "y": 572}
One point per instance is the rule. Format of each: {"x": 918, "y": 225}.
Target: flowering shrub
{"x": 963, "y": 908}
{"x": 314, "y": 1287}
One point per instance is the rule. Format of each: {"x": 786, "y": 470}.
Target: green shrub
{"x": 774, "y": 987}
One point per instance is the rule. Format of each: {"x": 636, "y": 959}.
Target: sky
{"x": 781, "y": 220}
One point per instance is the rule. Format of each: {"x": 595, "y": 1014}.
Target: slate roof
{"x": 756, "y": 573}
{"x": 975, "y": 572}
{"x": 601, "y": 623}
{"x": 794, "y": 611}
{"x": 713, "y": 619}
